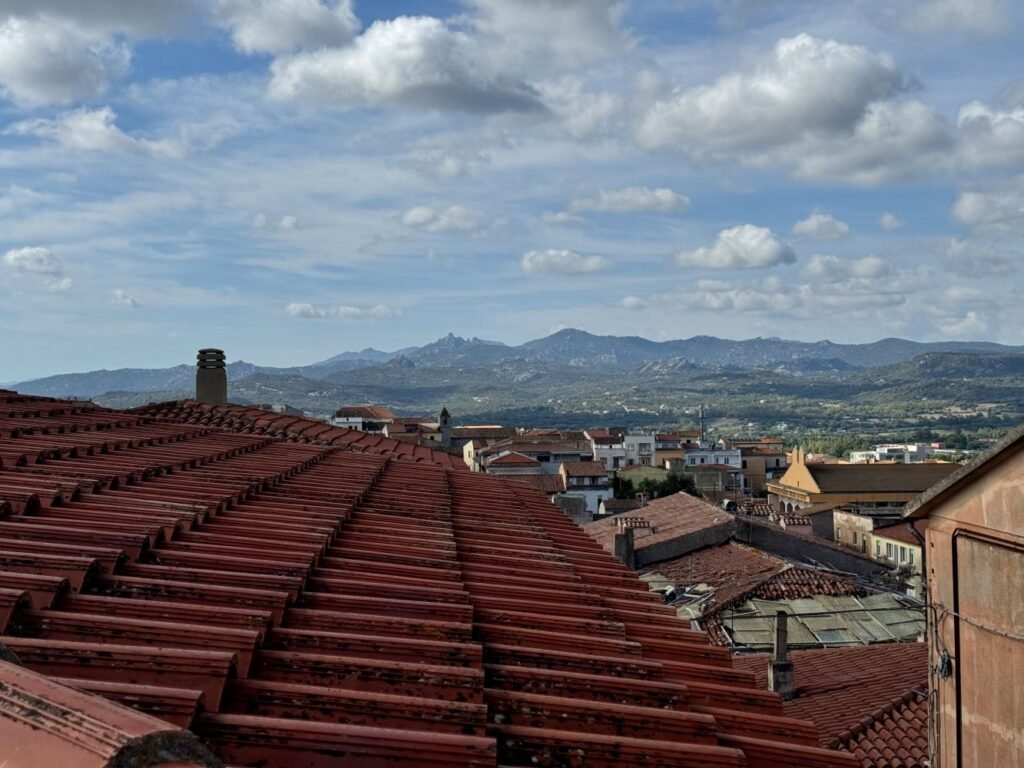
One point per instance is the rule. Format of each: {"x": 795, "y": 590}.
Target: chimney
{"x": 445, "y": 424}
{"x": 211, "y": 377}
{"x": 780, "y": 668}
{"x": 624, "y": 550}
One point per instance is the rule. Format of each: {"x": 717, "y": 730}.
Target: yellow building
{"x": 860, "y": 486}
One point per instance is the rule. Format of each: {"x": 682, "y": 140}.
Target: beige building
{"x": 854, "y": 486}
{"x": 975, "y": 566}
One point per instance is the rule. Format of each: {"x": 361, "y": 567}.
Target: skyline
{"x": 287, "y": 179}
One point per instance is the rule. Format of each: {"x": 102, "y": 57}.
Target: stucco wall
{"x": 975, "y": 564}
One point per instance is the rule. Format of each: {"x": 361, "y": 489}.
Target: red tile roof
{"x": 670, "y": 517}
{"x": 585, "y": 469}
{"x": 546, "y": 483}
{"x": 319, "y": 605}
{"x": 244, "y": 420}
{"x": 512, "y": 459}
{"x": 838, "y": 689}
{"x": 895, "y": 736}
{"x": 900, "y": 532}
{"x": 373, "y": 412}
{"x": 737, "y": 573}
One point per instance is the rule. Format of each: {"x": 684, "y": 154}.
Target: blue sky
{"x": 288, "y": 179}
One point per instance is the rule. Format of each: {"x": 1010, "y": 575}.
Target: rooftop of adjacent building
{"x": 292, "y": 593}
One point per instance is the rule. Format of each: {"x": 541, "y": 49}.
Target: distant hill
{"x": 566, "y": 349}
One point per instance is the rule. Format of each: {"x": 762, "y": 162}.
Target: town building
{"x": 639, "y": 449}
{"x": 550, "y": 448}
{"x": 669, "y": 446}
{"x": 867, "y": 488}
{"x": 905, "y": 453}
{"x": 974, "y": 560}
{"x": 587, "y": 480}
{"x": 762, "y": 465}
{"x": 364, "y": 418}
{"x": 608, "y": 446}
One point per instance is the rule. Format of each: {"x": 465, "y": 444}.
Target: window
{"x": 744, "y": 463}
{"x": 839, "y": 533}
{"x": 878, "y": 549}
{"x": 777, "y": 463}
{"x": 855, "y": 538}
{"x": 903, "y": 554}
{"x": 889, "y": 551}
{"x": 910, "y": 553}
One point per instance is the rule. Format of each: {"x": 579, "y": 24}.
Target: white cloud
{"x": 93, "y": 130}
{"x": 308, "y": 311}
{"x": 410, "y": 61}
{"x": 997, "y": 210}
{"x": 562, "y": 219}
{"x": 718, "y": 296}
{"x": 971, "y": 258}
{"x": 743, "y": 247}
{"x": 583, "y": 114}
{"x": 806, "y": 85}
{"x": 108, "y": 16}
{"x": 970, "y": 325}
{"x": 890, "y": 222}
{"x": 821, "y": 226}
{"x": 278, "y": 26}
{"x": 457, "y": 218}
{"x": 633, "y": 303}
{"x": 835, "y": 269}
{"x": 561, "y": 262}
{"x": 288, "y": 222}
{"x": 990, "y": 136}
{"x": 38, "y": 261}
{"x": 987, "y": 16}
{"x": 52, "y": 61}
{"x": 822, "y": 108}
{"x": 125, "y": 299}
{"x": 632, "y": 200}
{"x": 567, "y": 33}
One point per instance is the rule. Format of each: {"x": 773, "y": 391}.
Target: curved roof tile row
{"x": 307, "y": 604}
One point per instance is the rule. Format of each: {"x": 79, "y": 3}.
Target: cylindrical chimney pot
{"x": 211, "y": 377}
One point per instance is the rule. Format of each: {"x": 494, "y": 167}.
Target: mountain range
{"x": 574, "y": 378}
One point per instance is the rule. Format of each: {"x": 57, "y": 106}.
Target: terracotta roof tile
{"x": 881, "y": 478}
{"x": 585, "y": 469}
{"x": 546, "y": 483}
{"x": 671, "y": 517}
{"x": 350, "y": 600}
{"x": 839, "y": 688}
{"x": 899, "y": 532}
{"x": 512, "y": 459}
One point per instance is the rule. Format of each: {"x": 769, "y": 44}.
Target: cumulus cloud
{"x": 125, "y": 299}
{"x": 561, "y": 262}
{"x": 93, "y": 130}
{"x": 279, "y": 26}
{"x": 805, "y": 85}
{"x": 990, "y": 136}
{"x": 821, "y": 226}
{"x": 743, "y": 247}
{"x": 632, "y": 200}
{"x": 972, "y": 324}
{"x": 823, "y": 108}
{"x": 308, "y": 311}
{"x": 890, "y": 222}
{"x": 39, "y": 262}
{"x": 288, "y": 222}
{"x": 998, "y": 210}
{"x": 52, "y": 61}
{"x": 407, "y": 61}
{"x": 457, "y": 218}
{"x": 107, "y": 16}
{"x": 986, "y": 16}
